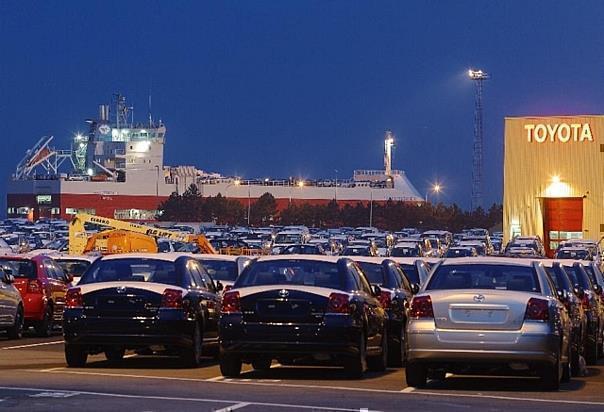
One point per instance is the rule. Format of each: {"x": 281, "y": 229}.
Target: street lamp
{"x": 436, "y": 188}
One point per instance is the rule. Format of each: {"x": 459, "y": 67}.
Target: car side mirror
{"x": 562, "y": 295}
{"x": 579, "y": 291}
{"x": 598, "y": 289}
{"x": 8, "y": 278}
{"x": 219, "y": 286}
{"x": 376, "y": 290}
{"x": 414, "y": 288}
{"x": 68, "y": 278}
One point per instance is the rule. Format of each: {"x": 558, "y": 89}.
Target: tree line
{"x": 191, "y": 206}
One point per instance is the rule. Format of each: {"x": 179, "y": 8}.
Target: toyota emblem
{"x": 283, "y": 293}
{"x": 121, "y": 289}
{"x": 479, "y": 298}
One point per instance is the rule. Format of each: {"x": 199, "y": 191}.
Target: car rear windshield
{"x": 356, "y": 251}
{"x": 405, "y": 252}
{"x": 373, "y": 271}
{"x": 560, "y": 279}
{"x": 75, "y": 268}
{"x": 292, "y": 272}
{"x": 412, "y": 273}
{"x": 452, "y": 253}
{"x": 25, "y": 269}
{"x": 573, "y": 254}
{"x": 485, "y": 276}
{"x": 133, "y": 270}
{"x": 220, "y": 269}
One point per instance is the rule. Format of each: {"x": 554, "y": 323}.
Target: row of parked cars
{"x": 465, "y": 315}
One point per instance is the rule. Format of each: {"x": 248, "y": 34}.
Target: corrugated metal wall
{"x": 530, "y": 166}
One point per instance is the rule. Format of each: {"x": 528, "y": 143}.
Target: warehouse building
{"x": 554, "y": 178}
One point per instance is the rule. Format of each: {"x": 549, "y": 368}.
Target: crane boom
{"x": 78, "y": 238}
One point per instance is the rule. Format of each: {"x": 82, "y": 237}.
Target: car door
{"x": 54, "y": 287}
{"x": 208, "y": 298}
{"x": 373, "y": 310}
{"x": 5, "y": 298}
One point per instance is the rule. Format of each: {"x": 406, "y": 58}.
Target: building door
{"x": 562, "y": 220}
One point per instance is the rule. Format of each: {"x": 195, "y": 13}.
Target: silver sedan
{"x": 477, "y": 314}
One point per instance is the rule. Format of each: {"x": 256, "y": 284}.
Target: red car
{"x": 42, "y": 284}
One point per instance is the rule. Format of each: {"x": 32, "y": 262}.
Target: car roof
{"x": 208, "y": 256}
{"x": 169, "y": 257}
{"x": 489, "y": 260}
{"x": 370, "y": 259}
{"x": 317, "y": 258}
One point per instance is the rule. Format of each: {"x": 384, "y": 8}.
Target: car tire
{"x": 191, "y": 356}
{"x": 75, "y": 355}
{"x": 591, "y": 350}
{"x": 16, "y": 331}
{"x": 44, "y": 327}
{"x": 380, "y": 362}
{"x": 550, "y": 376}
{"x": 397, "y": 352}
{"x": 416, "y": 374}
{"x": 575, "y": 362}
{"x": 262, "y": 364}
{"x": 355, "y": 365}
{"x": 115, "y": 354}
{"x": 567, "y": 367}
{"x": 230, "y": 366}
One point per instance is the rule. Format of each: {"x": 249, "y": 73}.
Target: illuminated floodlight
{"x": 237, "y": 182}
{"x": 301, "y": 183}
{"x": 436, "y": 188}
{"x": 89, "y": 172}
{"x": 477, "y": 74}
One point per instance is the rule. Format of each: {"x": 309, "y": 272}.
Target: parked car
{"x": 74, "y": 265}
{"x": 43, "y": 285}
{"x": 303, "y": 249}
{"x": 407, "y": 250}
{"x": 461, "y": 251}
{"x": 358, "y": 250}
{"x": 300, "y": 308}
{"x": 416, "y": 270}
{"x": 478, "y": 312}
{"x": 395, "y": 297}
{"x": 11, "y": 304}
{"x": 139, "y": 301}
{"x": 223, "y": 268}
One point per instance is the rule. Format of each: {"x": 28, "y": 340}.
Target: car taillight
{"x": 34, "y": 286}
{"x": 73, "y": 299}
{"x": 171, "y": 299}
{"x": 537, "y": 309}
{"x": 338, "y": 303}
{"x": 385, "y": 299}
{"x": 585, "y": 301}
{"x": 231, "y": 302}
{"x": 421, "y": 307}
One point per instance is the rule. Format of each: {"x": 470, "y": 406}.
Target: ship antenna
{"x": 149, "y": 110}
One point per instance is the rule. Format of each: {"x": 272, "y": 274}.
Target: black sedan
{"x": 163, "y": 303}
{"x": 301, "y": 308}
{"x": 395, "y": 297}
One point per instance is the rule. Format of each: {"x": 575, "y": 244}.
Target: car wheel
{"x": 230, "y": 366}
{"x": 416, "y": 374}
{"x": 192, "y": 356}
{"x": 262, "y": 364}
{"x": 591, "y": 350}
{"x": 75, "y": 355}
{"x": 115, "y": 354}
{"x": 397, "y": 352}
{"x": 355, "y": 365}
{"x": 16, "y": 331}
{"x": 566, "y": 368}
{"x": 44, "y": 327}
{"x": 575, "y": 363}
{"x": 379, "y": 363}
{"x": 550, "y": 375}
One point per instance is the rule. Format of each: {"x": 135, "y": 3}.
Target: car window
{"x": 24, "y": 268}
{"x": 74, "y": 267}
{"x": 365, "y": 286}
{"x": 133, "y": 270}
{"x": 412, "y": 273}
{"x": 50, "y": 270}
{"x": 292, "y": 272}
{"x": 577, "y": 276}
{"x": 485, "y": 276}
{"x": 405, "y": 284}
{"x": 220, "y": 269}
{"x": 207, "y": 280}
{"x": 373, "y": 272}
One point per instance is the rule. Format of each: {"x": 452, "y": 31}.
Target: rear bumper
{"x": 534, "y": 343}
{"x": 172, "y": 330}
{"x": 34, "y": 306}
{"x": 339, "y": 336}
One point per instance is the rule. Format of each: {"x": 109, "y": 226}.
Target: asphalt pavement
{"x": 34, "y": 377}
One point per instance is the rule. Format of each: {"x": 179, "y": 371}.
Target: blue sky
{"x": 302, "y": 88}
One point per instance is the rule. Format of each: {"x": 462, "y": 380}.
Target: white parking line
{"x": 233, "y": 407}
{"x": 406, "y": 391}
{"x": 173, "y": 398}
{"x": 33, "y": 345}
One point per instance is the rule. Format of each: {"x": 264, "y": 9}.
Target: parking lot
{"x": 34, "y": 377}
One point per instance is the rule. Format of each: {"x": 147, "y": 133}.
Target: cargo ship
{"x": 117, "y": 170}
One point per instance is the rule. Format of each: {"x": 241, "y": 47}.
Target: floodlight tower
{"x": 477, "y": 76}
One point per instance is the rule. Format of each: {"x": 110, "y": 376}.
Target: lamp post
{"x": 249, "y": 203}
{"x": 436, "y": 188}
{"x": 371, "y": 208}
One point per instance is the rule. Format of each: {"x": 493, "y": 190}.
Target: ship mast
{"x": 388, "y": 144}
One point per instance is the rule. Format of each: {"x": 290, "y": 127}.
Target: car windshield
{"x": 405, "y": 252}
{"x": 373, "y": 271}
{"x": 356, "y": 251}
{"x": 292, "y": 272}
{"x": 24, "y": 268}
{"x": 288, "y": 238}
{"x": 453, "y": 253}
{"x": 301, "y": 250}
{"x": 412, "y": 273}
{"x": 220, "y": 269}
{"x": 132, "y": 270}
{"x": 485, "y": 276}
{"x": 75, "y": 268}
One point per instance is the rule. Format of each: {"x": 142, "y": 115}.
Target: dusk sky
{"x": 301, "y": 88}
